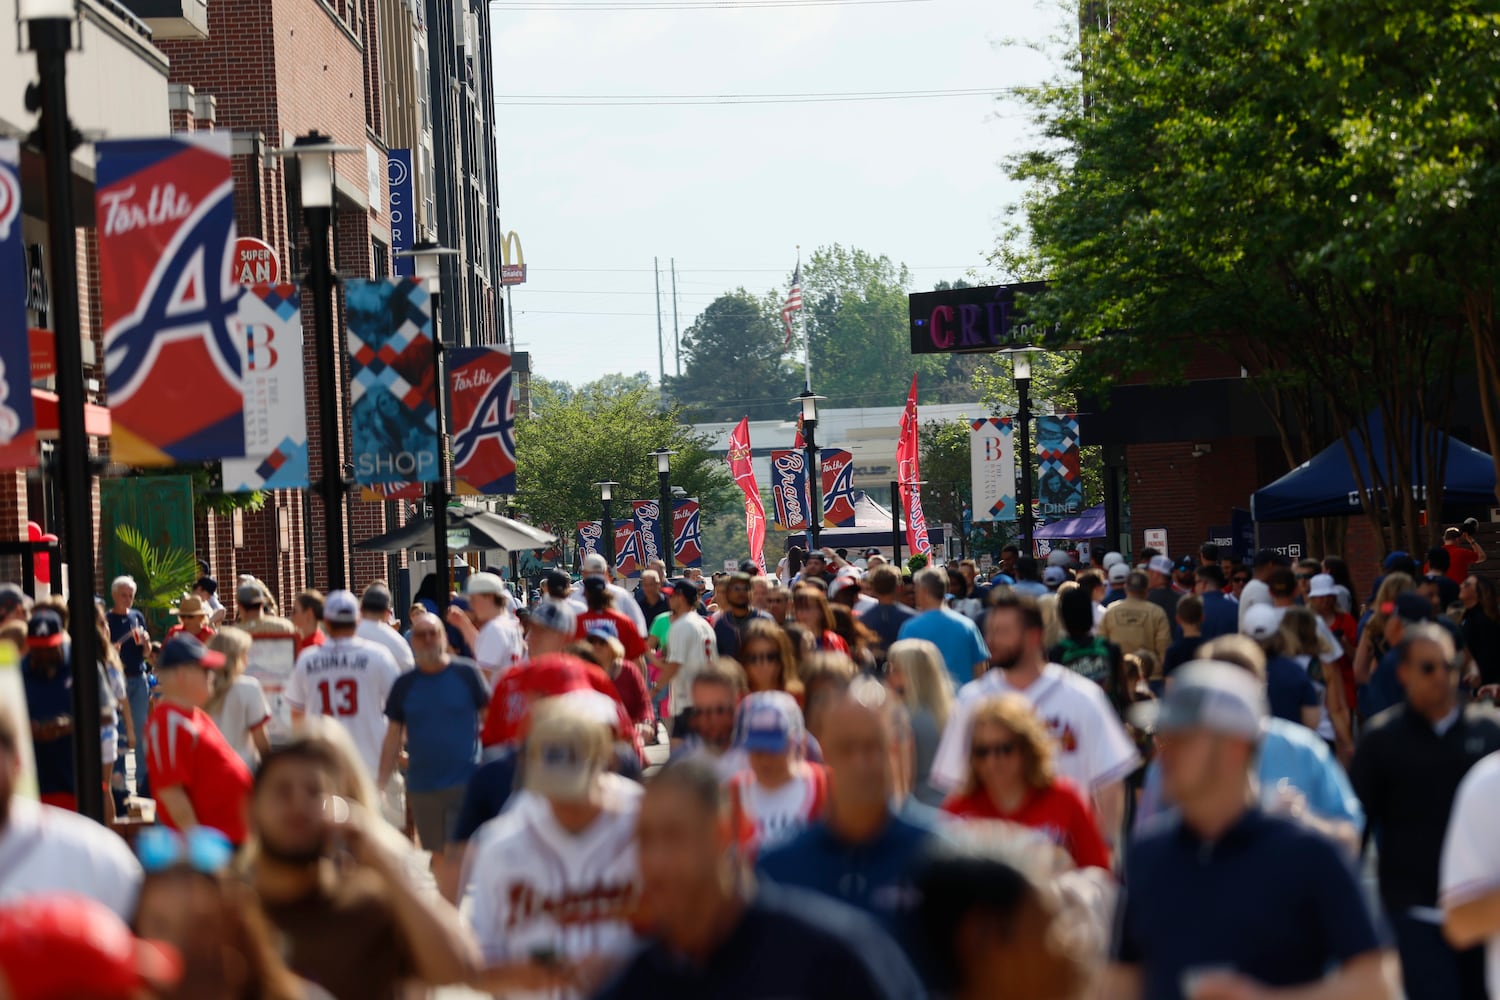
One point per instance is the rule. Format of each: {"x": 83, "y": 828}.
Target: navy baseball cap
{"x": 768, "y": 722}
{"x": 595, "y": 584}
{"x": 687, "y": 588}
{"x": 183, "y": 650}
{"x": 1410, "y": 607}
{"x": 1391, "y": 561}
{"x": 45, "y": 630}
{"x": 555, "y": 617}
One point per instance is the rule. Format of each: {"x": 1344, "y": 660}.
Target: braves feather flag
{"x": 687, "y": 541}
{"x": 909, "y": 473}
{"x": 17, "y": 419}
{"x": 743, "y": 472}
{"x": 838, "y": 488}
{"x": 168, "y": 299}
{"x": 789, "y": 488}
{"x": 484, "y": 419}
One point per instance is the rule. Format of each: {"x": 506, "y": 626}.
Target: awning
{"x": 96, "y": 422}
{"x": 1083, "y": 525}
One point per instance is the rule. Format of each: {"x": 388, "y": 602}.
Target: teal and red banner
{"x": 1059, "y": 491}
{"x": 169, "y": 300}
{"x": 393, "y": 402}
{"x": 838, "y": 488}
{"x": 789, "y": 488}
{"x": 484, "y": 420}
{"x": 17, "y": 418}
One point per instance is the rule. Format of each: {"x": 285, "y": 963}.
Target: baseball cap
{"x": 748, "y": 566}
{"x": 1187, "y": 564}
{"x": 842, "y": 583}
{"x": 58, "y": 946}
{"x": 485, "y": 583}
{"x": 1054, "y": 577}
{"x": 687, "y": 588}
{"x": 1058, "y": 557}
{"x": 1160, "y": 564}
{"x": 340, "y": 608}
{"x": 1409, "y": 607}
{"x": 595, "y": 563}
{"x": 558, "y": 582}
{"x": 12, "y": 597}
{"x": 189, "y": 606}
{"x": 249, "y": 593}
{"x": 183, "y": 650}
{"x": 45, "y": 630}
{"x": 1270, "y": 557}
{"x": 554, "y": 616}
{"x": 595, "y": 585}
{"x": 376, "y": 599}
{"x": 1400, "y": 555}
{"x": 871, "y": 552}
{"x": 1119, "y": 572}
{"x": 1112, "y": 559}
{"x": 562, "y": 757}
{"x": 1216, "y": 697}
{"x": 1322, "y": 585}
{"x": 1259, "y": 622}
{"x": 768, "y": 722}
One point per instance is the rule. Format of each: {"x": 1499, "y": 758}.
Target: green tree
{"x": 733, "y": 362}
{"x": 602, "y": 433}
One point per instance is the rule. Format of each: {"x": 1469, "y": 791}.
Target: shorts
{"x": 109, "y": 746}
{"x": 434, "y": 814}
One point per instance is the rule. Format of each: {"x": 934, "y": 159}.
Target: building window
{"x": 380, "y": 257}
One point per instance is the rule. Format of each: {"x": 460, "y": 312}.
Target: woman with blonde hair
{"x": 1318, "y": 654}
{"x": 1372, "y": 642}
{"x": 1011, "y": 778}
{"x": 769, "y": 658}
{"x": 238, "y": 705}
{"x": 916, "y": 674}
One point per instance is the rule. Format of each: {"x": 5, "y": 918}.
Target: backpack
{"x": 1091, "y": 659}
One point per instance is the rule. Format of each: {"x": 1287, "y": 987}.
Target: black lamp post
{"x": 606, "y": 494}
{"x": 50, "y": 30}
{"x": 1021, "y": 361}
{"x": 315, "y": 154}
{"x": 809, "y": 403}
{"x": 664, "y": 520}
{"x": 427, "y": 257}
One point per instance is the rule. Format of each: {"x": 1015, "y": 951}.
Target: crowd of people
{"x": 1154, "y": 778}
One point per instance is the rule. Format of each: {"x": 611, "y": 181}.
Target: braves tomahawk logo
{"x": 494, "y": 418}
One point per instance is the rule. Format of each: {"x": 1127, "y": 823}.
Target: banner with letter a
{"x": 168, "y": 299}
{"x": 992, "y": 467}
{"x": 393, "y": 405}
{"x": 789, "y": 488}
{"x": 838, "y": 488}
{"x": 484, "y": 420}
{"x": 270, "y": 331}
{"x": 687, "y": 540}
{"x": 17, "y": 419}
{"x": 628, "y": 560}
{"x": 1060, "y": 475}
{"x": 646, "y": 515}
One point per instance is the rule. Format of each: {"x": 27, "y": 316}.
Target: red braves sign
{"x": 255, "y": 262}
{"x": 628, "y": 560}
{"x": 484, "y": 419}
{"x": 687, "y": 542}
{"x": 838, "y": 488}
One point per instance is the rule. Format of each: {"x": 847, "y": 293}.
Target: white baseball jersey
{"x": 1471, "y": 851}
{"x": 1092, "y": 749}
{"x": 380, "y": 632}
{"x": 348, "y": 680}
{"x": 533, "y": 886}
{"x": 691, "y": 642}
{"x": 499, "y": 647}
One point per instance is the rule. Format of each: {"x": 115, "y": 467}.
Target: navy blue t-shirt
{"x": 132, "y": 654}
{"x": 46, "y": 699}
{"x": 441, "y": 714}
{"x": 1270, "y": 899}
{"x": 788, "y": 943}
{"x": 885, "y": 620}
{"x": 1288, "y": 688}
{"x": 1221, "y": 616}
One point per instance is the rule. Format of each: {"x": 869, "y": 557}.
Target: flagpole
{"x": 806, "y": 340}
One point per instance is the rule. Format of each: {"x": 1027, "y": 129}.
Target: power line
{"x": 729, "y": 270}
{"x": 690, "y": 100}
{"x": 586, "y": 6}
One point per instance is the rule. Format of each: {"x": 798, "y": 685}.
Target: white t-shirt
{"x": 243, "y": 711}
{"x": 533, "y": 885}
{"x": 388, "y": 637}
{"x": 1255, "y": 592}
{"x": 348, "y": 679}
{"x": 1471, "y": 850}
{"x": 690, "y": 642}
{"x": 780, "y": 814}
{"x": 499, "y": 647}
{"x": 45, "y": 850}
{"x": 1092, "y": 748}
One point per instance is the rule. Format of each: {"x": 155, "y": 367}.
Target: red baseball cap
{"x": 65, "y": 947}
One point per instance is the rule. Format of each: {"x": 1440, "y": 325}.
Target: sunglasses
{"x": 763, "y": 658}
{"x": 1430, "y": 667}
{"x": 1242, "y": 579}
{"x": 202, "y": 849}
{"x": 984, "y": 751}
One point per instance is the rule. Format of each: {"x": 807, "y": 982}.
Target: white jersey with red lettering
{"x": 533, "y": 888}
{"x": 348, "y": 679}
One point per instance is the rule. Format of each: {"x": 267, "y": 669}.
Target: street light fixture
{"x": 809, "y": 402}
{"x": 1021, "y": 369}
{"x": 664, "y": 520}
{"x": 315, "y": 155}
{"x": 606, "y": 494}
{"x": 427, "y": 259}
{"x": 50, "y": 29}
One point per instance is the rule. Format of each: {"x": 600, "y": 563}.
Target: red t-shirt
{"x": 316, "y": 639}
{"x": 832, "y": 642}
{"x": 612, "y": 622}
{"x": 1060, "y": 812}
{"x": 630, "y": 685}
{"x": 202, "y": 635}
{"x": 185, "y": 749}
{"x": 1460, "y": 558}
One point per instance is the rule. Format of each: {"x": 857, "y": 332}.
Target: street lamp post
{"x": 606, "y": 494}
{"x": 315, "y": 154}
{"x": 664, "y": 519}
{"x": 809, "y": 402}
{"x": 50, "y": 30}
{"x": 1022, "y": 371}
{"x": 427, "y": 257}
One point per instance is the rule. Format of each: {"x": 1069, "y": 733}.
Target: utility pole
{"x": 661, "y": 352}
{"x": 676, "y": 338}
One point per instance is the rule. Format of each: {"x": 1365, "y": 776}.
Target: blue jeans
{"x": 138, "y": 693}
{"x": 1430, "y": 968}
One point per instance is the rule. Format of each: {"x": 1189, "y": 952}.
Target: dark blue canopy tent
{"x": 1326, "y": 485}
{"x": 1081, "y": 526}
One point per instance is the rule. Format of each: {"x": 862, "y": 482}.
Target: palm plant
{"x": 162, "y": 574}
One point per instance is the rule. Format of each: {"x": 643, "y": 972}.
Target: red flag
{"x": 744, "y": 474}
{"x": 908, "y": 473}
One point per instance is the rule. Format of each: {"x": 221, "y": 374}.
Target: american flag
{"x": 793, "y": 303}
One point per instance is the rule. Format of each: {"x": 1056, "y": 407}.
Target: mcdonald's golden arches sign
{"x": 512, "y": 260}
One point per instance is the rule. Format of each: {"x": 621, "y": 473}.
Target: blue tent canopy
{"x": 1083, "y": 525}
{"x": 1326, "y": 485}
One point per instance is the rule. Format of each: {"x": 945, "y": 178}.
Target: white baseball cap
{"x": 485, "y": 583}
{"x": 1211, "y": 696}
{"x": 1058, "y": 557}
{"x": 595, "y": 563}
{"x": 1322, "y": 585}
{"x": 1111, "y": 559}
{"x": 1119, "y": 572}
{"x": 1054, "y": 577}
{"x": 1160, "y": 564}
{"x": 1260, "y": 621}
{"x": 340, "y": 608}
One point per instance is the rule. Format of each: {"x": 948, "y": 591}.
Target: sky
{"x": 731, "y": 190}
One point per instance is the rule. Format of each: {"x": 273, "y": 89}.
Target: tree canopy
{"x": 734, "y": 362}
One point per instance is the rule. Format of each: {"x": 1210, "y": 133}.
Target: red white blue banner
{"x": 909, "y": 475}
{"x": 393, "y": 402}
{"x": 789, "y": 488}
{"x": 270, "y": 331}
{"x": 647, "y": 517}
{"x": 168, "y": 299}
{"x": 1060, "y": 473}
{"x": 484, "y": 420}
{"x": 992, "y": 468}
{"x": 838, "y": 488}
{"x": 17, "y": 419}
{"x": 687, "y": 539}
{"x": 628, "y": 561}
